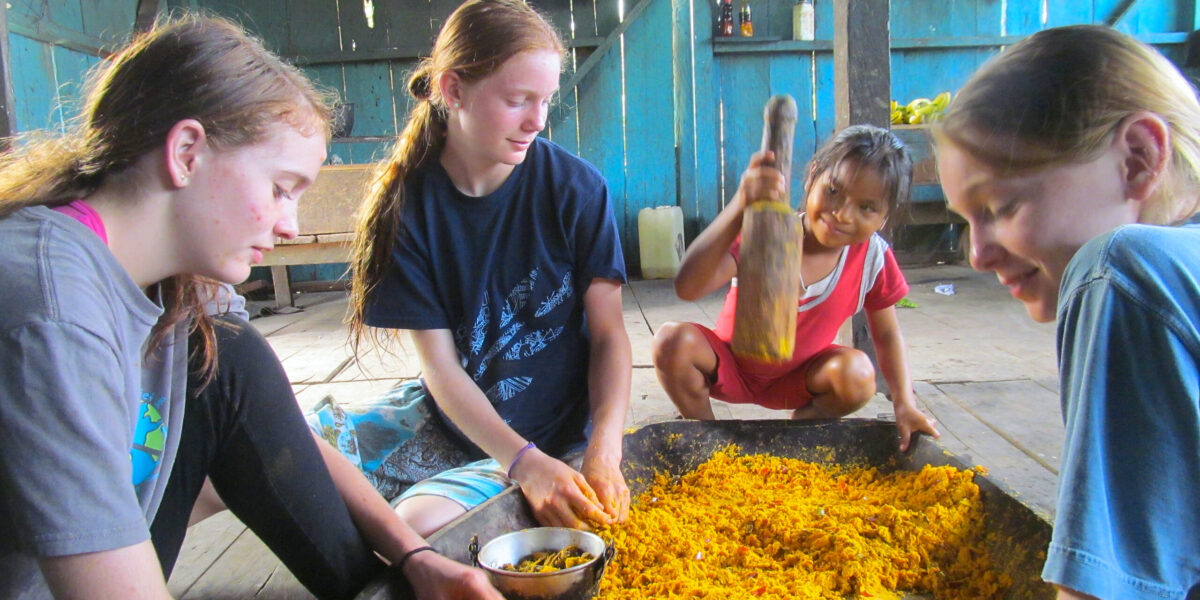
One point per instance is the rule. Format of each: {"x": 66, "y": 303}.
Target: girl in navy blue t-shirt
{"x": 498, "y": 252}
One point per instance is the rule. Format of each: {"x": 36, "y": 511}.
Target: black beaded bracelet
{"x": 410, "y": 553}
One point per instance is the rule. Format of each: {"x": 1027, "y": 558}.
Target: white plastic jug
{"x": 660, "y": 235}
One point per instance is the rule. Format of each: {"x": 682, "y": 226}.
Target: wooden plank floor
{"x": 980, "y": 366}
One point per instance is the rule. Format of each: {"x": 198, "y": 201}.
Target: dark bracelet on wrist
{"x": 410, "y": 553}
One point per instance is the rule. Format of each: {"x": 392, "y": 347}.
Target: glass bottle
{"x": 803, "y": 21}
{"x": 725, "y": 21}
{"x": 746, "y": 26}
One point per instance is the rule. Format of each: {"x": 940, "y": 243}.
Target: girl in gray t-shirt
{"x": 193, "y": 147}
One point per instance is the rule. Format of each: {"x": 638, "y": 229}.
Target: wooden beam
{"x": 147, "y": 13}
{"x": 57, "y": 35}
{"x": 8, "y": 119}
{"x": 1119, "y": 11}
{"x": 862, "y": 76}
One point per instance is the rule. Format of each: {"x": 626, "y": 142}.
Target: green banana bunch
{"x": 920, "y": 110}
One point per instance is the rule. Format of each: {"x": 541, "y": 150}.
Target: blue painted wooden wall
{"x": 669, "y": 115}
{"x": 51, "y": 47}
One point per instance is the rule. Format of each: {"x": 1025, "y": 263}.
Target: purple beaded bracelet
{"x": 516, "y": 458}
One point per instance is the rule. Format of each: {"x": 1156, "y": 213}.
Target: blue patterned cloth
{"x": 392, "y": 439}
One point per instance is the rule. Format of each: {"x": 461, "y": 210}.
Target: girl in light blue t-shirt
{"x": 1075, "y": 158}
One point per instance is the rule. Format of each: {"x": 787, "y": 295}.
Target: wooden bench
{"x": 326, "y": 218}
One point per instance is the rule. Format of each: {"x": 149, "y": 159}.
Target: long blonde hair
{"x": 187, "y": 67}
{"x": 1057, "y": 97}
{"x": 478, "y": 37}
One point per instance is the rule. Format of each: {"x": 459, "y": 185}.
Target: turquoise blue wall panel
{"x": 312, "y": 27}
{"x": 607, "y": 15}
{"x": 584, "y": 15}
{"x": 68, "y": 13}
{"x": 109, "y": 20}
{"x": 701, "y": 194}
{"x": 402, "y": 101}
{"x": 359, "y": 33}
{"x": 326, "y": 272}
{"x": 369, "y": 87}
{"x": 745, "y": 85}
{"x": 331, "y": 76}
{"x": 35, "y": 103}
{"x": 1022, "y": 17}
{"x": 649, "y": 120}
{"x": 825, "y": 120}
{"x": 563, "y": 126}
{"x": 792, "y": 74}
{"x": 601, "y": 134}
{"x": 1070, "y": 13}
{"x": 1153, "y": 16}
{"x": 70, "y": 70}
{"x": 407, "y": 24}
{"x": 439, "y": 10}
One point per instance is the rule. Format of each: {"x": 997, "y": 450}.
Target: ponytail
{"x": 377, "y": 222}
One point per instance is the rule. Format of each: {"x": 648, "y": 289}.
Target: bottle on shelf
{"x": 803, "y": 26}
{"x": 725, "y": 20}
{"x": 745, "y": 25}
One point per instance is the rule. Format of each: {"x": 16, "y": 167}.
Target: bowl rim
{"x": 528, "y": 531}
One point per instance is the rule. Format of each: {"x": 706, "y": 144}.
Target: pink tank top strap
{"x": 83, "y": 212}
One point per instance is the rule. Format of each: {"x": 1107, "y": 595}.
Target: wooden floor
{"x": 981, "y": 368}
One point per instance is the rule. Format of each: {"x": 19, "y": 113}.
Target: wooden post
{"x": 862, "y": 82}
{"x": 8, "y": 120}
{"x": 862, "y": 72}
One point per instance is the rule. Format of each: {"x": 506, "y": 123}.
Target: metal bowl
{"x": 575, "y": 583}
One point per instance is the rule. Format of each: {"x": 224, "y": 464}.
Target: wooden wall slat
{"x": 439, "y": 11}
{"x": 745, "y": 85}
{"x": 67, "y": 13}
{"x": 35, "y": 104}
{"x": 584, "y": 13}
{"x": 407, "y": 22}
{"x": 369, "y": 87}
{"x": 649, "y": 120}
{"x": 1023, "y": 17}
{"x": 607, "y": 16}
{"x": 824, "y": 123}
{"x": 600, "y": 130}
{"x": 1070, "y": 13}
{"x": 269, "y": 21}
{"x": 402, "y": 101}
{"x": 792, "y": 74}
{"x": 70, "y": 70}
{"x": 563, "y": 127}
{"x": 109, "y": 20}
{"x": 312, "y": 27}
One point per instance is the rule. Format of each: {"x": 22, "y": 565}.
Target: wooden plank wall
{"x": 669, "y": 115}
{"x": 51, "y": 47}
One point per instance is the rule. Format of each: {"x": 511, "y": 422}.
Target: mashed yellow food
{"x": 761, "y": 527}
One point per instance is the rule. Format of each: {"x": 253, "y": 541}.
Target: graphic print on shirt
{"x": 149, "y": 439}
{"x": 520, "y": 338}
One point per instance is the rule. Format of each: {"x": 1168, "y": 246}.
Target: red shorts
{"x": 744, "y": 381}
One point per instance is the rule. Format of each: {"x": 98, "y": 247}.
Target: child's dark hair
{"x": 871, "y": 147}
